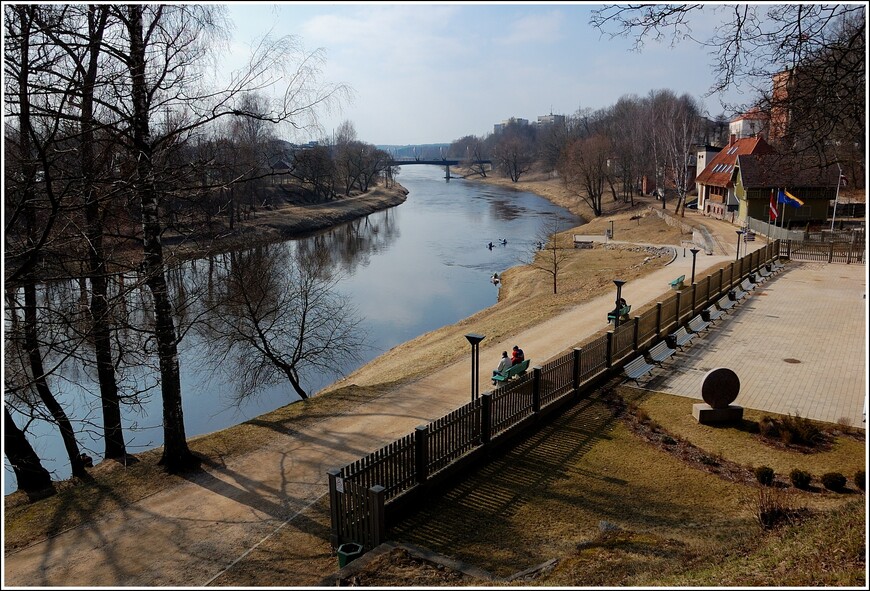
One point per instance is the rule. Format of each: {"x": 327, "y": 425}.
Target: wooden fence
{"x": 361, "y": 492}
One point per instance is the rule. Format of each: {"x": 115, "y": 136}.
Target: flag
{"x": 773, "y": 212}
{"x": 789, "y": 199}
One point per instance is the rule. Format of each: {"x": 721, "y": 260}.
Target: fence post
{"x": 658, "y": 319}
{"x": 635, "y": 344}
{"x": 334, "y": 533}
{"x": 679, "y": 298}
{"x": 375, "y": 497}
{"x": 575, "y": 382}
{"x": 486, "y": 418}
{"x": 421, "y": 452}
{"x": 851, "y": 247}
{"x": 609, "y": 355}
{"x": 694, "y": 298}
{"x": 831, "y": 251}
{"x": 536, "y": 389}
{"x": 721, "y": 282}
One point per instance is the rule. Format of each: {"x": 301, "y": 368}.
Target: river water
{"x": 405, "y": 271}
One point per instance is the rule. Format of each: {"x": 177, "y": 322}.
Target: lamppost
{"x": 475, "y": 339}
{"x": 739, "y": 236}
{"x": 619, "y": 283}
{"x": 694, "y": 252}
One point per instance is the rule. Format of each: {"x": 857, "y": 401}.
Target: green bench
{"x": 623, "y": 314}
{"x": 513, "y": 370}
{"x": 678, "y": 282}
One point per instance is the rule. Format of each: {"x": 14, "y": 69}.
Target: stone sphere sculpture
{"x": 720, "y": 387}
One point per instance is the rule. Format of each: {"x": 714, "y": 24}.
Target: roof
{"x": 753, "y": 113}
{"x": 720, "y": 169}
{"x": 785, "y": 170}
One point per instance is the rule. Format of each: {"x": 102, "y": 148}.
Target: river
{"x": 405, "y": 271}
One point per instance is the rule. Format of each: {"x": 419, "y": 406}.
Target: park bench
{"x": 623, "y": 314}
{"x": 776, "y": 266}
{"x": 764, "y": 273}
{"x": 747, "y": 285}
{"x": 512, "y": 371}
{"x": 711, "y": 313}
{"x": 677, "y": 283}
{"x": 737, "y": 294}
{"x": 698, "y": 324}
{"x": 637, "y": 368}
{"x": 725, "y": 303}
{"x": 680, "y": 338}
{"x": 661, "y": 352}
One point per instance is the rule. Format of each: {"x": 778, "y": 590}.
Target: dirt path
{"x": 188, "y": 535}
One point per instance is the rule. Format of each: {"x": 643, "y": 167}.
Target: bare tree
{"x": 279, "y": 318}
{"x": 552, "y": 251}
{"x": 583, "y": 168}
{"x": 821, "y": 47}
{"x": 514, "y": 153}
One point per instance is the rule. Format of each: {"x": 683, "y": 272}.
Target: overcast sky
{"x": 430, "y": 73}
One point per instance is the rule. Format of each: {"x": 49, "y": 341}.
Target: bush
{"x": 861, "y": 479}
{"x": 768, "y": 427}
{"x": 799, "y": 430}
{"x": 773, "y": 507}
{"x": 800, "y": 479}
{"x": 764, "y": 475}
{"x": 668, "y": 440}
{"x": 833, "y": 481}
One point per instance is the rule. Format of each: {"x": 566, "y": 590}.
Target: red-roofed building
{"x": 716, "y": 196}
{"x": 750, "y": 123}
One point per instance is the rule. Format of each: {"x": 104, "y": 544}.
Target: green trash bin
{"x": 348, "y": 552}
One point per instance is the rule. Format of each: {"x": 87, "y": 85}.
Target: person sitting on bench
{"x": 620, "y": 305}
{"x": 517, "y": 355}
{"x": 503, "y": 365}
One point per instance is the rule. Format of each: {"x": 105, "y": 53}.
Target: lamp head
{"x": 474, "y": 338}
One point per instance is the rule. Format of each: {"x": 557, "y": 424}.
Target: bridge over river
{"x": 437, "y": 162}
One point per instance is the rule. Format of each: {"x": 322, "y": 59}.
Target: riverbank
{"x": 288, "y": 221}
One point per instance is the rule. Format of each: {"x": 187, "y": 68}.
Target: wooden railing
{"x": 360, "y": 491}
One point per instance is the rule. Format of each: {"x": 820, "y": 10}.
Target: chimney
{"x": 733, "y": 139}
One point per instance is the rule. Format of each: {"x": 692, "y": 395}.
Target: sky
{"x": 432, "y": 73}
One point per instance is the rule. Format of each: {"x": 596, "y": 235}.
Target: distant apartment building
{"x": 551, "y": 119}
{"x": 499, "y": 127}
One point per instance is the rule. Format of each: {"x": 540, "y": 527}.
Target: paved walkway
{"x": 187, "y": 535}
{"x": 797, "y": 344}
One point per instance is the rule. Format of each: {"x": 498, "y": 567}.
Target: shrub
{"x": 773, "y": 507}
{"x": 768, "y": 427}
{"x": 833, "y": 481}
{"x": 764, "y": 475}
{"x": 799, "y": 430}
{"x": 668, "y": 440}
{"x": 800, "y": 479}
{"x": 861, "y": 479}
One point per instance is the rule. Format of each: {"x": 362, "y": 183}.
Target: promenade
{"x": 797, "y": 344}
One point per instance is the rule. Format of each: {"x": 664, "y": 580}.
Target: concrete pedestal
{"x": 706, "y": 414}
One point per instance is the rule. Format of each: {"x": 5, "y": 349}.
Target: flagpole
{"x": 836, "y": 196}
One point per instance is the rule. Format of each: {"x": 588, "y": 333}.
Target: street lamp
{"x": 475, "y": 339}
{"x": 619, "y": 283}
{"x": 739, "y": 236}
{"x": 694, "y": 252}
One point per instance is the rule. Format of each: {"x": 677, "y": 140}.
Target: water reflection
{"x": 406, "y": 271}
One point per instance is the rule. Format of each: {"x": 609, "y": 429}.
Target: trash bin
{"x": 348, "y": 552}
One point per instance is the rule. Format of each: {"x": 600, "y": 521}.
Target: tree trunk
{"x": 32, "y": 477}
{"x": 177, "y": 456}
{"x": 99, "y": 308}
{"x": 31, "y": 343}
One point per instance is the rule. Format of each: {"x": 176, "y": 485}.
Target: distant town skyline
{"x": 432, "y": 73}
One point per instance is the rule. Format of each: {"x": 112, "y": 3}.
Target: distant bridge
{"x": 439, "y": 162}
